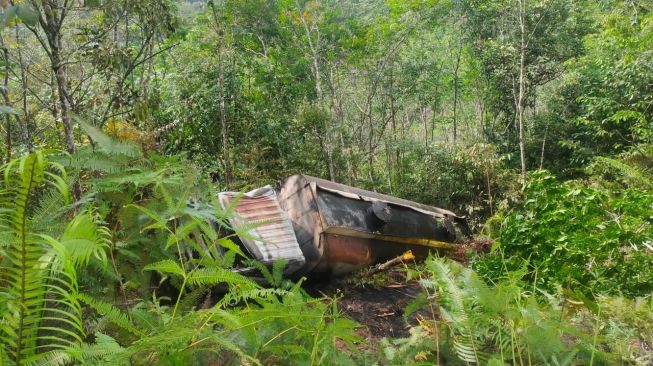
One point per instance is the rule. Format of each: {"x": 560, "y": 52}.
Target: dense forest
{"x": 121, "y": 120}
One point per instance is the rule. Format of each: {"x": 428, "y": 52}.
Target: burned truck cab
{"x": 326, "y": 229}
{"x": 340, "y": 228}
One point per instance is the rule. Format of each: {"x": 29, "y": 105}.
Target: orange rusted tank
{"x": 328, "y": 229}
{"x": 340, "y": 229}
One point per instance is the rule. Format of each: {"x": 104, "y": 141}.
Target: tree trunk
{"x": 51, "y": 24}
{"x": 456, "y": 91}
{"x": 546, "y": 132}
{"x": 5, "y": 96}
{"x": 62, "y": 87}
{"x": 314, "y": 48}
{"x": 520, "y": 98}
{"x": 23, "y": 81}
{"x": 224, "y": 127}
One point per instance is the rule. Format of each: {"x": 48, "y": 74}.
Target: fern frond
{"x": 193, "y": 298}
{"x": 277, "y": 272}
{"x": 50, "y": 358}
{"x": 83, "y": 239}
{"x": 86, "y": 158}
{"x": 112, "y": 313}
{"x": 166, "y": 266}
{"x": 632, "y": 173}
{"x": 237, "y": 296}
{"x": 263, "y": 269}
{"x": 48, "y": 215}
{"x": 99, "y": 352}
{"x": 40, "y": 283}
{"x": 109, "y": 145}
{"x": 216, "y": 275}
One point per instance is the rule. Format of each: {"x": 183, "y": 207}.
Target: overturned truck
{"x": 328, "y": 229}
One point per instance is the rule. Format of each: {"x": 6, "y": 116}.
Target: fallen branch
{"x": 407, "y": 256}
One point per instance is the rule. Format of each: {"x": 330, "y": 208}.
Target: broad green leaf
{"x": 27, "y": 13}
{"x": 5, "y": 109}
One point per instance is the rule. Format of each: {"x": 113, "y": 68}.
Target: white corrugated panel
{"x": 270, "y": 235}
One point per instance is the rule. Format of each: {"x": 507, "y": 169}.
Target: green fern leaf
{"x": 108, "y": 144}
{"x": 112, "y": 313}
{"x": 215, "y": 275}
{"x": 166, "y": 266}
{"x": 630, "y": 172}
{"x": 38, "y": 280}
{"x": 277, "y": 272}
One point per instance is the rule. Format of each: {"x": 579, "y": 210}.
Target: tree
{"x": 52, "y": 15}
{"x": 522, "y": 45}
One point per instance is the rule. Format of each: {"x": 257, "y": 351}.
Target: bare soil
{"x": 378, "y": 303}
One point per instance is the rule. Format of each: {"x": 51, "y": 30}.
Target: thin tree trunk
{"x": 62, "y": 86}
{"x": 5, "y": 96}
{"x": 338, "y": 114}
{"x": 23, "y": 80}
{"x": 546, "y": 132}
{"x": 456, "y": 91}
{"x": 314, "y": 47}
{"x": 51, "y": 24}
{"x": 520, "y": 99}
{"x": 224, "y": 127}
{"x": 393, "y": 119}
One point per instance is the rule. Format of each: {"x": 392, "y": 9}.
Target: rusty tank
{"x": 337, "y": 228}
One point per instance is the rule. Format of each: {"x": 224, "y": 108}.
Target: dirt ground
{"x": 377, "y": 304}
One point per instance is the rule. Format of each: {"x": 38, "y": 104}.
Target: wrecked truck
{"x": 325, "y": 229}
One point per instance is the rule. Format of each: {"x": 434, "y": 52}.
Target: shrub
{"x": 464, "y": 321}
{"x": 577, "y": 237}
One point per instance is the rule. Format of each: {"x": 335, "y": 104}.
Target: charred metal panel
{"x": 385, "y": 219}
{"x": 372, "y": 196}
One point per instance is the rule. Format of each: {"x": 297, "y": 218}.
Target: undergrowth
{"x": 135, "y": 267}
{"x": 463, "y": 320}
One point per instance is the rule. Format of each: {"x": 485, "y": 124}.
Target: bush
{"x": 577, "y": 237}
{"x": 466, "y": 321}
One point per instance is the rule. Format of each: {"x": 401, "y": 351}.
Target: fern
{"x": 37, "y": 278}
{"x": 167, "y": 266}
{"x": 48, "y": 217}
{"x": 101, "y": 351}
{"x": 108, "y": 145}
{"x": 112, "y": 313}
{"x": 237, "y": 296}
{"x": 277, "y": 272}
{"x": 216, "y": 275}
{"x": 632, "y": 173}
{"x": 474, "y": 323}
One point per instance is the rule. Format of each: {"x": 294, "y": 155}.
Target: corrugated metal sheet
{"x": 270, "y": 235}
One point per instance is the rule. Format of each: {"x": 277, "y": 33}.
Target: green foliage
{"x": 412, "y": 98}
{"x": 613, "y": 76}
{"x": 293, "y": 329}
{"x": 24, "y": 12}
{"x": 158, "y": 229}
{"x": 40, "y": 310}
{"x": 466, "y": 179}
{"x": 464, "y": 320}
{"x": 578, "y": 237}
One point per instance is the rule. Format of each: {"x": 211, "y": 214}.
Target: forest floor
{"x": 377, "y": 302}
